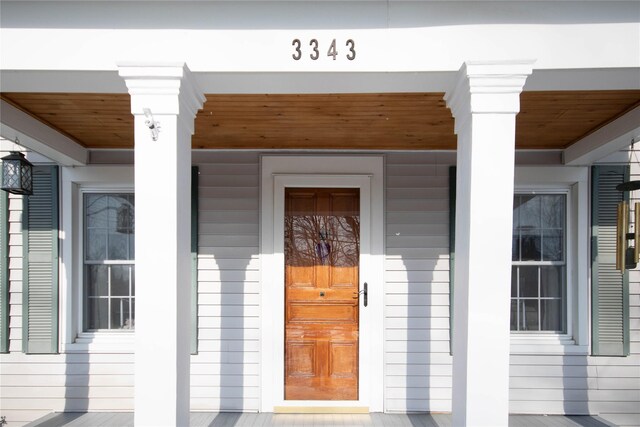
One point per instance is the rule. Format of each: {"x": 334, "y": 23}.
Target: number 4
{"x": 332, "y": 50}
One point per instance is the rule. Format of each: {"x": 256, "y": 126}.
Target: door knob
{"x": 364, "y": 293}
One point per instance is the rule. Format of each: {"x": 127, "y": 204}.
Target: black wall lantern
{"x": 17, "y": 174}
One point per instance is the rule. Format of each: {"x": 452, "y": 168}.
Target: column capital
{"x": 487, "y": 87}
{"x": 164, "y": 88}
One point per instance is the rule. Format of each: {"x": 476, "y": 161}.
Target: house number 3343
{"x": 314, "y": 49}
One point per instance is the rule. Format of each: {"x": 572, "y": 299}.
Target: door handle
{"x": 364, "y": 293}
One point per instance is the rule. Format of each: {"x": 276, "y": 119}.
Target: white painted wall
{"x": 257, "y": 36}
{"x": 225, "y": 373}
{"x": 417, "y": 359}
{"x": 246, "y": 47}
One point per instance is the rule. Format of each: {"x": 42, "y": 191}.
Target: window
{"x": 538, "y": 278}
{"x": 109, "y": 268}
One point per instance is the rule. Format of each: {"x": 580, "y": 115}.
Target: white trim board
{"x": 365, "y": 173}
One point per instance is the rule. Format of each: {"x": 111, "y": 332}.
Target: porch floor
{"x": 235, "y": 419}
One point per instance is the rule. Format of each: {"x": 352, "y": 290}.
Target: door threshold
{"x": 321, "y": 409}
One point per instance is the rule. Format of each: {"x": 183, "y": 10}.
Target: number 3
{"x": 316, "y": 53}
{"x": 296, "y": 56}
{"x": 352, "y": 48}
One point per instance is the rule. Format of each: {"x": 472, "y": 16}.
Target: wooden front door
{"x": 322, "y": 252}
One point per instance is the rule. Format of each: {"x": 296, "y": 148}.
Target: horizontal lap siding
{"x": 417, "y": 360}
{"x": 579, "y": 384}
{"x": 32, "y": 386}
{"x": 616, "y": 394}
{"x": 224, "y": 373}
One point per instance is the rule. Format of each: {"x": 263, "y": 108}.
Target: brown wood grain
{"x": 378, "y": 121}
{"x": 322, "y": 238}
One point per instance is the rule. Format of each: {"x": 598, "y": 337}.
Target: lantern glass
{"x": 17, "y": 174}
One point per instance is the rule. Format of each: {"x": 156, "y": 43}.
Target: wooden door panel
{"x": 322, "y": 312}
{"x": 322, "y": 244}
{"x": 344, "y": 277}
{"x": 301, "y": 358}
{"x": 342, "y": 363}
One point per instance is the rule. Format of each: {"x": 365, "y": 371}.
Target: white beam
{"x": 484, "y": 103}
{"x": 605, "y": 141}
{"x": 315, "y": 82}
{"x": 166, "y": 96}
{"x": 39, "y": 137}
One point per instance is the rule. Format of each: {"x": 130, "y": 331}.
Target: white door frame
{"x": 365, "y": 173}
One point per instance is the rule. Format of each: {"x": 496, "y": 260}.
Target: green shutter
{"x": 194, "y": 259}
{"x": 40, "y": 268}
{"x": 610, "y": 287}
{"x": 4, "y": 273}
{"x": 452, "y": 247}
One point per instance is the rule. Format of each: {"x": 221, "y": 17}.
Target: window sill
{"x": 540, "y": 344}
{"x": 102, "y": 342}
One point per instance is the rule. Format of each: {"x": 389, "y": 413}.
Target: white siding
{"x": 224, "y": 373}
{"x": 417, "y": 360}
{"x": 573, "y": 384}
{"x": 34, "y": 385}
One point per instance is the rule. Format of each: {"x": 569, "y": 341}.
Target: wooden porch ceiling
{"x": 396, "y": 121}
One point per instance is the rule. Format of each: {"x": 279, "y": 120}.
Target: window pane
{"x": 553, "y": 245}
{"x": 515, "y": 242}
{"x": 514, "y": 282}
{"x": 529, "y": 315}
{"x": 109, "y": 236}
{"x": 538, "y": 239}
{"x": 118, "y": 246}
{"x": 98, "y": 313}
{"x": 551, "y": 281}
{"x": 515, "y": 247}
{"x": 97, "y": 280}
{"x": 528, "y": 282}
{"x": 96, "y": 208}
{"x": 120, "y": 280}
{"x": 96, "y": 244}
{"x": 530, "y": 245}
{"x": 132, "y": 246}
{"x": 551, "y": 313}
{"x": 514, "y": 315}
{"x": 120, "y": 313}
{"x": 552, "y": 212}
{"x": 529, "y": 211}
{"x": 133, "y": 280}
{"x": 517, "y": 201}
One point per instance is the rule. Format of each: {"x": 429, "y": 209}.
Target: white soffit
{"x": 39, "y": 137}
{"x": 605, "y": 141}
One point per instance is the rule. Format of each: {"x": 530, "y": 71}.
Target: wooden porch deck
{"x": 235, "y": 419}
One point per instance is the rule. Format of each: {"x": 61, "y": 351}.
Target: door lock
{"x": 364, "y": 292}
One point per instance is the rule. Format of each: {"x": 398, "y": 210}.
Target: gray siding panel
{"x": 417, "y": 360}
{"x": 604, "y": 386}
{"x": 224, "y": 374}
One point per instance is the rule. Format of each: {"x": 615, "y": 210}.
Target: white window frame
{"x": 75, "y": 181}
{"x": 563, "y": 191}
{"x": 129, "y": 262}
{"x": 572, "y": 181}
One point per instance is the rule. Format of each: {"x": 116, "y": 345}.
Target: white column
{"x": 484, "y": 103}
{"x": 163, "y": 216}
